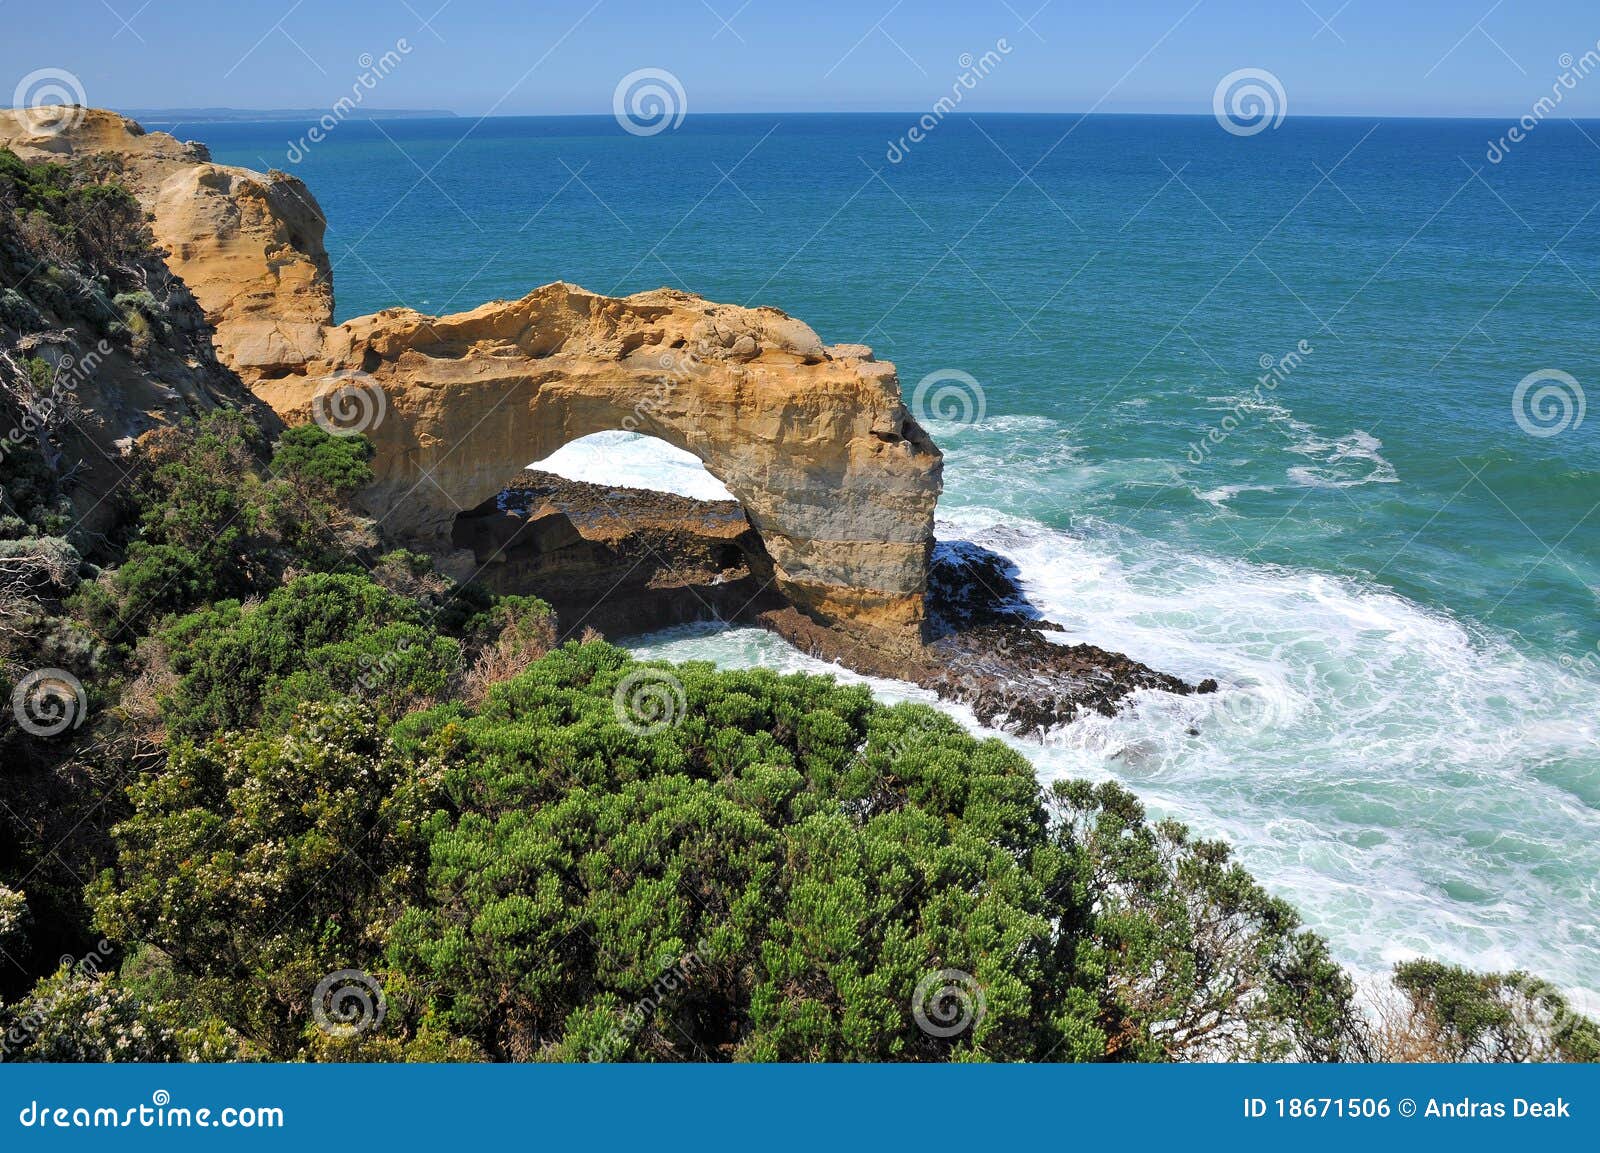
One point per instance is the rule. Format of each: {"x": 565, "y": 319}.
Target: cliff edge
{"x": 836, "y": 477}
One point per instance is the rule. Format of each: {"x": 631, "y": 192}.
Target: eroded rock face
{"x": 248, "y": 245}
{"x": 835, "y": 476}
{"x": 620, "y": 561}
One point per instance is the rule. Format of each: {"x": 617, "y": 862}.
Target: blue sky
{"x": 1395, "y": 57}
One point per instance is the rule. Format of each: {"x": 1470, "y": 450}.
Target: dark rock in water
{"x": 625, "y": 561}
{"x": 618, "y": 560}
{"x": 990, "y": 649}
{"x": 970, "y": 587}
{"x": 1014, "y": 668}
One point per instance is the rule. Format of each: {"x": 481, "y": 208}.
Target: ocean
{"x": 1298, "y": 410}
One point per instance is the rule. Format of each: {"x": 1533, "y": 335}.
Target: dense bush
{"x": 520, "y": 878}
{"x": 206, "y": 519}
{"x": 93, "y": 220}
{"x": 218, "y": 519}
{"x": 317, "y": 637}
{"x": 314, "y": 460}
{"x": 307, "y": 759}
{"x": 1452, "y": 1014}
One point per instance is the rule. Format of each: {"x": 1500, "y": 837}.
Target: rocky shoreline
{"x": 625, "y": 561}
{"x": 830, "y": 544}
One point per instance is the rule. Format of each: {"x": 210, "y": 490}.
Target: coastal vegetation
{"x": 290, "y": 794}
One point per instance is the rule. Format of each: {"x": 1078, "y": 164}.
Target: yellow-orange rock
{"x": 815, "y": 442}
{"x": 248, "y": 245}
{"x": 832, "y": 472}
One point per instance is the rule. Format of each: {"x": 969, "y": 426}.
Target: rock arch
{"x": 832, "y": 471}
{"x": 814, "y": 441}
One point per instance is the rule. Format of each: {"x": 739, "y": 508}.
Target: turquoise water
{"x": 1394, "y": 580}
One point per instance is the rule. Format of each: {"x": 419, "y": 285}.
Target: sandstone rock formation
{"x": 671, "y": 560}
{"x": 249, "y": 246}
{"x": 664, "y": 559}
{"x": 836, "y": 477}
{"x": 99, "y": 345}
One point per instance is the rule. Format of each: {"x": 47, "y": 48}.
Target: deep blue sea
{"x": 1394, "y": 577}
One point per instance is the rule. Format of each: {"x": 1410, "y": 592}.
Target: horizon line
{"x": 243, "y": 114}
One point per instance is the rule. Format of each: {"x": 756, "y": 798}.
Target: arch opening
{"x": 634, "y": 460}
{"x": 622, "y": 533}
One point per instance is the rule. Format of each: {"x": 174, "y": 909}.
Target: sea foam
{"x": 1414, "y": 785}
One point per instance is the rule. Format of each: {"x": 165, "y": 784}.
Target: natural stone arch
{"x": 814, "y": 441}
{"x": 833, "y": 473}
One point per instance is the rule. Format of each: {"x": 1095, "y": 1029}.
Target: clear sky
{"x": 1358, "y": 57}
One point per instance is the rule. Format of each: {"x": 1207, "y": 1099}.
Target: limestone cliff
{"x": 836, "y": 477}
{"x": 248, "y": 245}
{"x": 99, "y": 344}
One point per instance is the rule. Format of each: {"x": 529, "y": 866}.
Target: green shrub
{"x": 310, "y": 458}
{"x": 318, "y": 636}
{"x": 154, "y": 581}
{"x": 1459, "y": 1015}
{"x": 609, "y": 860}
{"x": 261, "y": 864}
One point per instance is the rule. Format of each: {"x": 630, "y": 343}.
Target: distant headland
{"x": 246, "y": 115}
